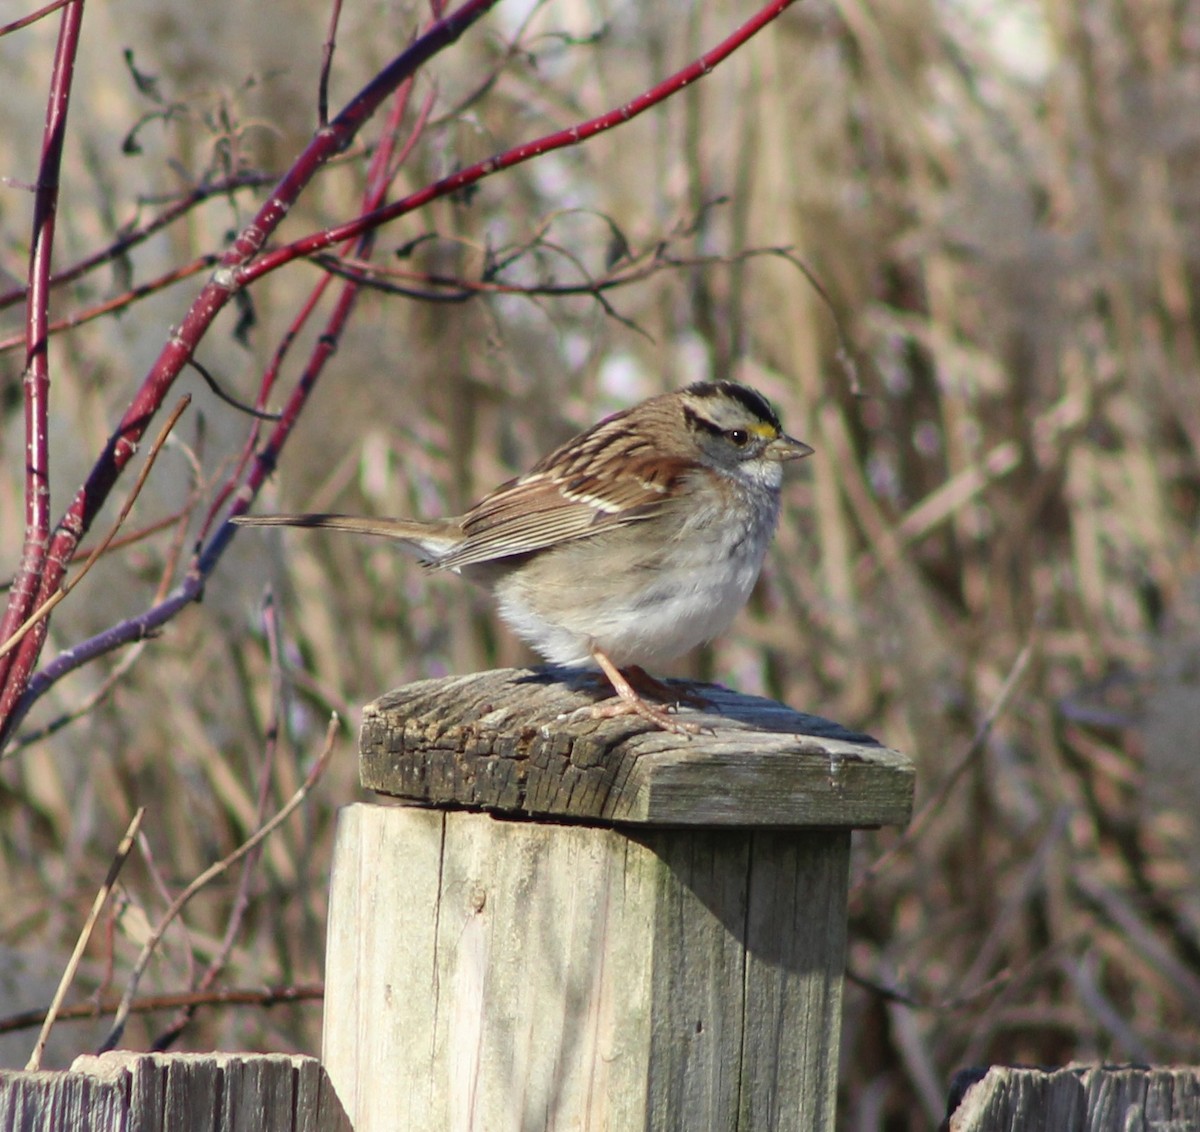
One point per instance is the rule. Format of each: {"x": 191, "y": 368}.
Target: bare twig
{"x": 150, "y": 860}
{"x": 890, "y": 992}
{"x": 912, "y": 1043}
{"x": 460, "y": 288}
{"x": 327, "y": 50}
{"x": 210, "y": 874}
{"x": 271, "y": 996}
{"x": 937, "y": 799}
{"x": 96, "y": 697}
{"x": 229, "y": 399}
{"x": 46, "y": 606}
{"x": 131, "y": 235}
{"x": 68, "y": 975}
{"x": 241, "y": 900}
{"x": 246, "y": 273}
{"x": 120, "y": 302}
{"x": 33, "y": 17}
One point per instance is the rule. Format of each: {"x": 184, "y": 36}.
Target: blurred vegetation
{"x": 1002, "y": 204}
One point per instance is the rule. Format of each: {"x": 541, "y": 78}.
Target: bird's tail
{"x": 429, "y": 540}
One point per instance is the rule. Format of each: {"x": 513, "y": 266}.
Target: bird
{"x": 626, "y": 546}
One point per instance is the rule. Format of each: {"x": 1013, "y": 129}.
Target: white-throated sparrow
{"x": 628, "y": 545}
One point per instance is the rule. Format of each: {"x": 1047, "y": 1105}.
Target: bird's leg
{"x": 628, "y": 701}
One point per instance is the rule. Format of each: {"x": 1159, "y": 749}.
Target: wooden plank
{"x": 61, "y": 1102}
{"x": 1080, "y": 1099}
{"x": 498, "y": 740}
{"x": 380, "y": 949}
{"x": 318, "y": 1108}
{"x": 136, "y": 1092}
{"x": 796, "y": 940}
{"x": 1161, "y": 1099}
{"x": 501, "y": 975}
{"x": 694, "y": 1021}
{"x": 189, "y": 1093}
{"x": 1022, "y": 1101}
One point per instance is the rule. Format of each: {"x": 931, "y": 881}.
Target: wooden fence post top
{"x": 504, "y": 741}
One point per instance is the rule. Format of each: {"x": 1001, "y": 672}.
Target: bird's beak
{"x": 785, "y": 447}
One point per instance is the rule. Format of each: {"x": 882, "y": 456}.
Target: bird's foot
{"x": 664, "y": 716}
{"x": 629, "y": 702}
{"x": 646, "y": 685}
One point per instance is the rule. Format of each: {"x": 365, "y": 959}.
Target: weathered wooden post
{"x": 588, "y": 925}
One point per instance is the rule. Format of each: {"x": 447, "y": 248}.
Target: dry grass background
{"x": 1001, "y": 202}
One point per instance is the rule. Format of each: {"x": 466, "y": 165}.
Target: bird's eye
{"x": 738, "y": 436}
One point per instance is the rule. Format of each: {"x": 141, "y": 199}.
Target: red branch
{"x": 33, "y": 17}
{"x": 326, "y": 143}
{"x": 24, "y": 595}
{"x": 118, "y": 302}
{"x": 573, "y": 135}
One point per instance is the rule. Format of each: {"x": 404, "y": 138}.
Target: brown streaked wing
{"x": 540, "y": 510}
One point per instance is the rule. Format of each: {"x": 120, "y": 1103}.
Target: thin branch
{"x": 33, "y": 17}
{"x": 892, "y": 993}
{"x": 938, "y": 798}
{"x": 236, "y": 996}
{"x": 247, "y": 272}
{"x": 119, "y": 302}
{"x": 210, "y": 874}
{"x": 221, "y": 395}
{"x": 136, "y": 536}
{"x": 53, "y": 600}
{"x": 327, "y": 50}
{"x": 241, "y": 900}
{"x": 419, "y": 126}
{"x": 68, "y": 975}
{"x": 462, "y": 290}
{"x": 26, "y": 589}
{"x": 126, "y": 632}
{"x": 150, "y": 860}
{"x": 641, "y": 267}
{"x": 87, "y": 704}
{"x": 133, "y": 235}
